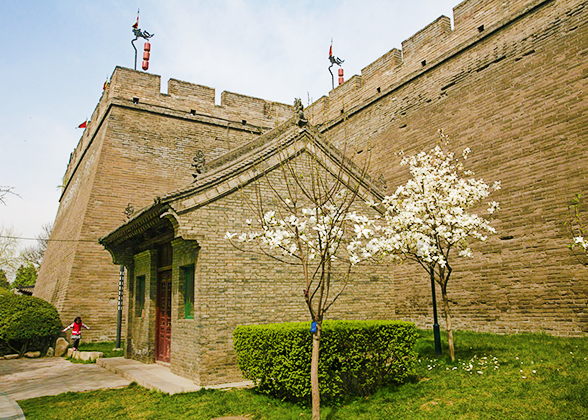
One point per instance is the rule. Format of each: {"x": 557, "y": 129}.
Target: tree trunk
{"x": 448, "y": 325}
{"x": 314, "y": 380}
{"x": 23, "y": 349}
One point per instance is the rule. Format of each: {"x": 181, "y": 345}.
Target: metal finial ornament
{"x": 129, "y": 211}
{"x": 334, "y": 60}
{"x": 139, "y": 34}
{"x": 199, "y": 163}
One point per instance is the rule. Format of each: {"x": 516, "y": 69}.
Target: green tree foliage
{"x": 27, "y": 323}
{"x": 26, "y": 275}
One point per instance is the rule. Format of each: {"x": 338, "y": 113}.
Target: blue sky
{"x": 56, "y": 56}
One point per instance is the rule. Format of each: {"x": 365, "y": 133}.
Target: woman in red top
{"x": 76, "y": 332}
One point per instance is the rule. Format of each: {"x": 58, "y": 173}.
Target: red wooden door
{"x": 163, "y": 317}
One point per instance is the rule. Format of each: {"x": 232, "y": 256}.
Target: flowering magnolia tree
{"x": 428, "y": 219}
{"x": 316, "y": 225}
{"x": 578, "y": 229}
{"x": 313, "y": 224}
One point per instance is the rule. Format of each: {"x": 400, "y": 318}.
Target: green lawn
{"x": 525, "y": 376}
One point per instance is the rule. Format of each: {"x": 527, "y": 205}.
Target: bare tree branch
{"x": 5, "y": 191}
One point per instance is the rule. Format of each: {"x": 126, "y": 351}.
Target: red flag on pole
{"x": 331, "y": 51}
{"x": 83, "y": 125}
{"x": 136, "y": 24}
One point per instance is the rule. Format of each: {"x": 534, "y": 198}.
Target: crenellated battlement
{"x": 473, "y": 20}
{"x": 469, "y": 15}
{"x": 137, "y": 89}
{"x": 143, "y": 87}
{"x": 432, "y": 34}
{"x": 391, "y": 59}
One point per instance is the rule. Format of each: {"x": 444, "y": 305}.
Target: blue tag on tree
{"x": 313, "y": 327}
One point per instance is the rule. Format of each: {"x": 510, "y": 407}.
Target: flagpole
{"x": 332, "y": 62}
{"x": 135, "y": 26}
{"x": 135, "y": 48}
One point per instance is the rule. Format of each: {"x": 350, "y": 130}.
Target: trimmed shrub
{"x": 27, "y": 323}
{"x": 356, "y": 357}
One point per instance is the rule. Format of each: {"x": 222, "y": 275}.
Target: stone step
{"x": 84, "y": 355}
{"x": 156, "y": 376}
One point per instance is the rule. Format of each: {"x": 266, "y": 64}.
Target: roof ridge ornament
{"x": 299, "y": 118}
{"x": 129, "y": 211}
{"x": 199, "y": 164}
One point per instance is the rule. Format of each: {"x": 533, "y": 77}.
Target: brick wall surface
{"x": 509, "y": 81}
{"x": 516, "y": 94}
{"x": 141, "y": 331}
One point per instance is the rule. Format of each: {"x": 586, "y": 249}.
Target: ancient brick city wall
{"x": 139, "y": 144}
{"x": 514, "y": 91}
{"x": 508, "y": 80}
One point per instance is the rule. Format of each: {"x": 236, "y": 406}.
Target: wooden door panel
{"x": 163, "y": 318}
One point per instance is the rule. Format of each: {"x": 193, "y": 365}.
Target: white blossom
{"x": 466, "y": 253}
{"x": 430, "y": 213}
{"x": 316, "y": 233}
{"x": 362, "y": 231}
{"x": 493, "y": 206}
{"x": 354, "y": 259}
{"x": 268, "y": 218}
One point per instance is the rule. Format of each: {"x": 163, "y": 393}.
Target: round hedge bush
{"x": 27, "y": 323}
